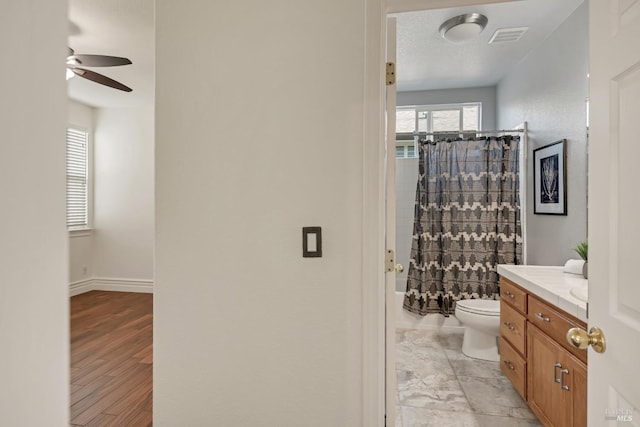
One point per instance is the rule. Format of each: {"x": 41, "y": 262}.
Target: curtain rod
{"x": 454, "y": 132}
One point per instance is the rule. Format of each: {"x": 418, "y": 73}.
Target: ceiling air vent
{"x": 504, "y": 35}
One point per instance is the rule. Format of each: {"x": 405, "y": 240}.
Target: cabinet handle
{"x": 509, "y": 294}
{"x": 509, "y": 365}
{"x": 542, "y": 317}
{"x": 555, "y": 375}
{"x": 562, "y": 384}
{"x": 509, "y": 326}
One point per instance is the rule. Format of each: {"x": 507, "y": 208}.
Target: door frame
{"x": 374, "y": 293}
{"x": 390, "y": 226}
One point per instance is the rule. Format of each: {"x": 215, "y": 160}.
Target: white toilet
{"x": 481, "y": 320}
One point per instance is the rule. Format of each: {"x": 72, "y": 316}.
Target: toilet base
{"x": 480, "y": 345}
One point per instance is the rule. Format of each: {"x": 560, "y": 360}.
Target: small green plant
{"x": 582, "y": 249}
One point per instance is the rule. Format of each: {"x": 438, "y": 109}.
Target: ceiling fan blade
{"x": 99, "y": 78}
{"x": 101, "y": 60}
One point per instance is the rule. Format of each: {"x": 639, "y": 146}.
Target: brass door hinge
{"x": 391, "y": 73}
{"x": 389, "y": 261}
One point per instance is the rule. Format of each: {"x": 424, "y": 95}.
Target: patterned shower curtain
{"x": 467, "y": 220}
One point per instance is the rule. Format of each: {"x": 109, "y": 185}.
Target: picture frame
{"x": 550, "y": 179}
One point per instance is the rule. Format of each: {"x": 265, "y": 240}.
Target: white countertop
{"x": 551, "y": 284}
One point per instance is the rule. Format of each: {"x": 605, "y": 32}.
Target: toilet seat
{"x": 483, "y": 307}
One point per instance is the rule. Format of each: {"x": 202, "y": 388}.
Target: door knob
{"x": 399, "y": 268}
{"x": 579, "y": 338}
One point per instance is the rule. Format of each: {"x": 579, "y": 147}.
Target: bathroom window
{"x": 406, "y": 149}
{"x": 411, "y": 121}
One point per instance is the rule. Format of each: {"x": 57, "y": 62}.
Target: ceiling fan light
{"x": 70, "y": 74}
{"x": 463, "y": 28}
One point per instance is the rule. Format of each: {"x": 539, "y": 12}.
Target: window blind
{"x": 77, "y": 197}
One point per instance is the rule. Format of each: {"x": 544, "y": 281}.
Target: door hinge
{"x": 389, "y": 261}
{"x": 391, "y": 73}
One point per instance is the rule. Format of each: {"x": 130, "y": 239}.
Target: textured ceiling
{"x": 426, "y": 61}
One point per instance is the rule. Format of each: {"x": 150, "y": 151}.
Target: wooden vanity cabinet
{"x": 547, "y": 372}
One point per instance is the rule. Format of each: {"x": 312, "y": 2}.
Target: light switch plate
{"x": 312, "y": 242}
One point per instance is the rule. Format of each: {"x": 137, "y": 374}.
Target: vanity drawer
{"x": 513, "y": 366}
{"x": 513, "y": 295}
{"x": 550, "y": 321}
{"x": 512, "y": 327}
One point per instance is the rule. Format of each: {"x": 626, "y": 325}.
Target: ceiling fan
{"x": 74, "y": 61}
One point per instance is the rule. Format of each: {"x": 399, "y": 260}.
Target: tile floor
{"x": 440, "y": 386}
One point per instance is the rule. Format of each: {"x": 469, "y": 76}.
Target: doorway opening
{"x": 511, "y": 87}
{"x": 111, "y": 92}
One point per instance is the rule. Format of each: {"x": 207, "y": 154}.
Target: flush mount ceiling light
{"x": 462, "y": 28}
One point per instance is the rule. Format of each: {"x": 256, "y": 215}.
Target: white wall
{"x": 81, "y": 242}
{"x": 247, "y": 332}
{"x": 80, "y": 115}
{"x": 123, "y": 193}
{"x": 117, "y": 254}
{"x": 486, "y": 95}
{"x": 80, "y": 256}
{"x": 34, "y": 308}
{"x": 548, "y": 90}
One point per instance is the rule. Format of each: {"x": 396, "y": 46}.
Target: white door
{"x": 390, "y": 229}
{"x": 614, "y": 210}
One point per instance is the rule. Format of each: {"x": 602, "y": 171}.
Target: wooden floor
{"x": 111, "y": 359}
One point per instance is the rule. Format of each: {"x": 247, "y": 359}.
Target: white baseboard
{"x": 123, "y": 285}
{"x": 111, "y": 284}
{"x": 80, "y": 287}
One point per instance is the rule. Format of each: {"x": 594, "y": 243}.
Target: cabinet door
{"x": 578, "y": 384}
{"x": 552, "y": 404}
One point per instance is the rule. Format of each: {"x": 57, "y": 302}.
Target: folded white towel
{"x": 574, "y": 266}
